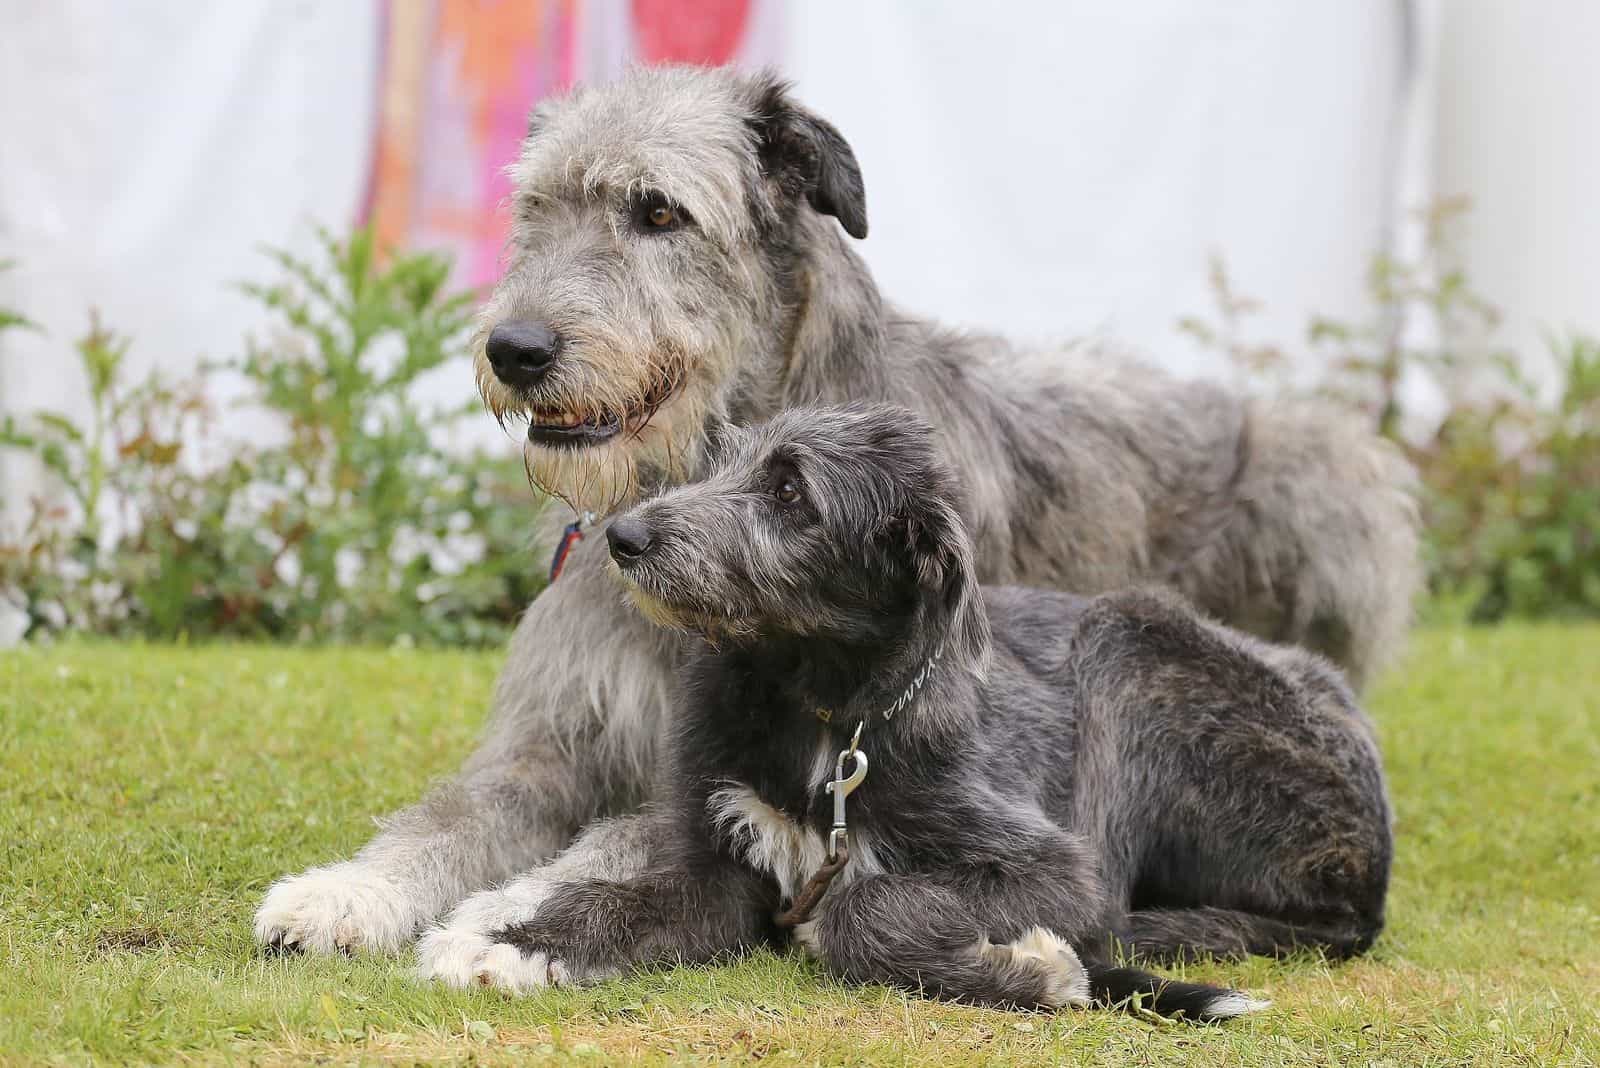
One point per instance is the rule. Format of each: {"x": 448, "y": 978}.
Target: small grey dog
{"x": 1049, "y": 775}
{"x": 682, "y": 261}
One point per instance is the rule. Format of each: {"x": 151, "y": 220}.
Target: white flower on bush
{"x": 255, "y": 500}
{"x": 347, "y": 564}
{"x": 455, "y": 553}
{"x": 320, "y": 496}
{"x": 287, "y": 566}
{"x": 13, "y": 621}
{"x": 54, "y": 614}
{"x": 106, "y": 597}
{"x": 428, "y": 469}
{"x": 408, "y": 544}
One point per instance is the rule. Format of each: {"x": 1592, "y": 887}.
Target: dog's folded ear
{"x": 941, "y": 553}
{"x": 809, "y": 156}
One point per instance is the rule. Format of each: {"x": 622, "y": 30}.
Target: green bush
{"x": 1515, "y": 498}
{"x": 352, "y": 522}
{"x": 1511, "y": 482}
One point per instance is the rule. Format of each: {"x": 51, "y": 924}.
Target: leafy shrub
{"x": 357, "y": 523}
{"x": 1515, "y": 516}
{"x": 1511, "y": 483}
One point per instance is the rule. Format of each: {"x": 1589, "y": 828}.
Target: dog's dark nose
{"x": 521, "y": 351}
{"x": 629, "y": 539}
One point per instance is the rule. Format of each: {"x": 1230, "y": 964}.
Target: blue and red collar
{"x": 571, "y": 534}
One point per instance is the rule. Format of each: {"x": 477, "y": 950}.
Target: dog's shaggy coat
{"x": 1068, "y": 773}
{"x": 679, "y": 263}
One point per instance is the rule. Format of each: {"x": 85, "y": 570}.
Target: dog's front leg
{"x": 584, "y": 691}
{"x": 998, "y": 929}
{"x": 460, "y": 950}
{"x": 911, "y": 932}
{"x": 598, "y": 929}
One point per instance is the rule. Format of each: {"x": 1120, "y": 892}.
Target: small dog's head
{"x": 658, "y": 226}
{"x": 841, "y": 523}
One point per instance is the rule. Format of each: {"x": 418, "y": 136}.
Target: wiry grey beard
{"x": 606, "y": 477}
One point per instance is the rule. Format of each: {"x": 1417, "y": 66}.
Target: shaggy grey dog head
{"x": 835, "y": 523}
{"x": 657, "y": 222}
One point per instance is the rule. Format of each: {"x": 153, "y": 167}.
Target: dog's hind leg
{"x": 1233, "y": 789}
{"x": 585, "y": 689}
{"x": 1179, "y": 934}
{"x": 916, "y": 934}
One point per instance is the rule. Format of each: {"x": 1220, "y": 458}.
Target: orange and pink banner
{"x": 460, "y": 76}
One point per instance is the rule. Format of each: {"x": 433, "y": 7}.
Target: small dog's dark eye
{"x": 660, "y": 216}
{"x": 787, "y": 492}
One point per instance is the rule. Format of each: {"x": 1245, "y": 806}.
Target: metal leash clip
{"x": 841, "y": 787}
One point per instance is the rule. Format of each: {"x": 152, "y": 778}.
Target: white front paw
{"x": 451, "y": 955}
{"x": 342, "y": 908}
{"x": 505, "y": 967}
{"x": 462, "y": 957}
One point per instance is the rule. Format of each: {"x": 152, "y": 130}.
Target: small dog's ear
{"x": 941, "y": 553}
{"x": 808, "y": 155}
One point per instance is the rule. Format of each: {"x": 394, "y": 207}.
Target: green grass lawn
{"x": 149, "y": 795}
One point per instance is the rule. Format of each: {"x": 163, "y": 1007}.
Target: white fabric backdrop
{"x": 147, "y": 150}
{"x": 1519, "y": 131}
{"x": 1071, "y": 167}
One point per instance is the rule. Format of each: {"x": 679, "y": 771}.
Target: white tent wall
{"x": 1057, "y": 167}
{"x": 1519, "y": 132}
{"x": 148, "y": 149}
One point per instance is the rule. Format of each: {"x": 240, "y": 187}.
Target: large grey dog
{"x": 1049, "y": 775}
{"x": 678, "y": 265}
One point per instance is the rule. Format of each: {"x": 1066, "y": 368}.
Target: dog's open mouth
{"x": 570, "y": 428}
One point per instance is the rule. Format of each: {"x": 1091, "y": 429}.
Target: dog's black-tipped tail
{"x": 1116, "y": 987}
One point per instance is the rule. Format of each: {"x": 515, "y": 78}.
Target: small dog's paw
{"x": 505, "y": 967}
{"x": 805, "y": 937}
{"x": 338, "y": 909}
{"x": 463, "y": 958}
{"x": 1066, "y": 979}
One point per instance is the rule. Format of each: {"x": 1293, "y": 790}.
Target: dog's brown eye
{"x": 787, "y": 492}
{"x": 655, "y": 214}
